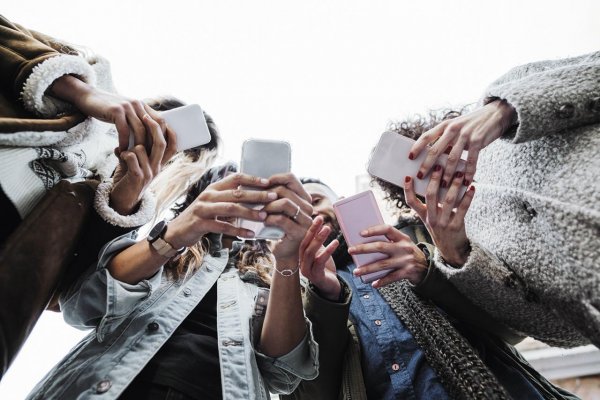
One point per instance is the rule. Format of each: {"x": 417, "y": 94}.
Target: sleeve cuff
{"x": 144, "y": 214}
{"x": 43, "y": 75}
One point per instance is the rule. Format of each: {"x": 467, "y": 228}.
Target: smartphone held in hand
{"x": 354, "y": 215}
{"x": 264, "y": 158}
{"x": 188, "y": 124}
{"x": 390, "y": 162}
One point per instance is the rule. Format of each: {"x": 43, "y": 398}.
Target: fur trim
{"x": 44, "y": 74}
{"x": 141, "y": 217}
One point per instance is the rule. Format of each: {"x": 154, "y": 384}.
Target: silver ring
{"x": 295, "y": 217}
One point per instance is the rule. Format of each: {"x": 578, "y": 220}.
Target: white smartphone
{"x": 390, "y": 162}
{"x": 264, "y": 158}
{"x": 189, "y": 125}
{"x": 355, "y": 214}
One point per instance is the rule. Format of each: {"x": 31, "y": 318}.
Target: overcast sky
{"x": 327, "y": 76}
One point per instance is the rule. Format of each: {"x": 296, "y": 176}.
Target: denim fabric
{"x": 394, "y": 367}
{"x": 133, "y": 321}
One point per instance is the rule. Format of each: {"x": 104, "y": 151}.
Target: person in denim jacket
{"x": 212, "y": 318}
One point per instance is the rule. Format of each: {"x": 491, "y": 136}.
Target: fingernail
{"x": 356, "y": 272}
{"x": 458, "y": 174}
{"x": 411, "y": 156}
{"x": 472, "y": 188}
{"x": 448, "y": 150}
{"x": 444, "y": 183}
{"x": 350, "y": 249}
{"x": 437, "y": 168}
{"x": 264, "y": 181}
{"x": 364, "y": 233}
{"x": 272, "y": 195}
{"x": 407, "y": 179}
{"x": 420, "y": 175}
{"x": 262, "y": 215}
{"x": 466, "y": 182}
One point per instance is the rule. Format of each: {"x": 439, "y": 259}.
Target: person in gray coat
{"x": 531, "y": 251}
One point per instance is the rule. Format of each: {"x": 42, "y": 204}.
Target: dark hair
{"x": 413, "y": 128}
{"x": 165, "y": 103}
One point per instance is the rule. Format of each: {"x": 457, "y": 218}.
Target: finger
{"x": 465, "y": 203}
{"x": 323, "y": 256}
{"x": 159, "y": 144}
{"x": 310, "y": 234}
{"x": 208, "y": 210}
{"x": 290, "y": 181}
{"x": 373, "y": 247}
{"x": 228, "y": 229}
{"x": 135, "y": 124}
{"x": 123, "y": 131}
{"x": 389, "y": 231}
{"x": 426, "y": 138}
{"x": 239, "y": 196}
{"x": 453, "y": 160}
{"x": 289, "y": 209}
{"x": 393, "y": 276}
{"x": 411, "y": 199}
{"x": 142, "y": 156}
{"x": 171, "y": 149}
{"x": 313, "y": 248}
{"x": 450, "y": 199}
{"x": 236, "y": 180}
{"x": 377, "y": 266}
{"x": 431, "y": 194}
{"x": 284, "y": 192}
{"x": 156, "y": 116}
{"x": 446, "y": 139}
{"x": 471, "y": 165}
{"x": 133, "y": 167}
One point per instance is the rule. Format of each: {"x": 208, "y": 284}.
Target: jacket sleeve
{"x": 28, "y": 66}
{"x": 492, "y": 286}
{"x": 97, "y": 300}
{"x": 330, "y": 328}
{"x": 437, "y": 287}
{"x": 550, "y": 96}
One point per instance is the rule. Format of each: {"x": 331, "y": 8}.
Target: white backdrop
{"x": 327, "y": 76}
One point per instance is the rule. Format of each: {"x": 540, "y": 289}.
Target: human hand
{"x": 316, "y": 263}
{"x": 125, "y": 113}
{"x": 472, "y": 132}
{"x": 291, "y": 212}
{"x": 405, "y": 259}
{"x": 217, "y": 207}
{"x": 444, "y": 221}
{"x": 137, "y": 169}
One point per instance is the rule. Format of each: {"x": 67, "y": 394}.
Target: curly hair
{"x": 254, "y": 256}
{"x": 413, "y": 127}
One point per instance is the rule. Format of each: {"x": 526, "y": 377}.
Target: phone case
{"x": 390, "y": 162}
{"x": 355, "y": 214}
{"x": 188, "y": 124}
{"x": 264, "y": 158}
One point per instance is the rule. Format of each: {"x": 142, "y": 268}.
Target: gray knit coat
{"x": 534, "y": 223}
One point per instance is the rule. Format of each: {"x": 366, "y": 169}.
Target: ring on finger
{"x": 295, "y": 217}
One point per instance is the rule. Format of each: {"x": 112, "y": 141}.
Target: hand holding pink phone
{"x": 355, "y": 214}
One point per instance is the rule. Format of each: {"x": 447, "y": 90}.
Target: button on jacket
{"x": 133, "y": 321}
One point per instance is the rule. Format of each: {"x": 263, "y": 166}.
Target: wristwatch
{"x": 156, "y": 239}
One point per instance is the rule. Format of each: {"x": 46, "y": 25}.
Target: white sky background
{"x": 327, "y": 76}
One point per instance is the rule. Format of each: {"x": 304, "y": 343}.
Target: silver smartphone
{"x": 390, "y": 162}
{"x": 264, "y": 158}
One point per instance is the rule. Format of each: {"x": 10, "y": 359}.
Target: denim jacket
{"x": 132, "y": 322}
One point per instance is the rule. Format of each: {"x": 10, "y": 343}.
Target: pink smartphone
{"x": 355, "y": 214}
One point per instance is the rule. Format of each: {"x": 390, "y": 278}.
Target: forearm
{"x": 284, "y": 325}
{"x": 70, "y": 89}
{"x": 136, "y": 263}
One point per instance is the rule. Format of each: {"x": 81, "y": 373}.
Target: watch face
{"x": 156, "y": 231}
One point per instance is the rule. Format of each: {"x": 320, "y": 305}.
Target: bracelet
{"x": 288, "y": 271}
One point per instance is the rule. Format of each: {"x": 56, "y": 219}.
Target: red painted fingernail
{"x": 458, "y": 174}
{"x": 437, "y": 168}
{"x": 444, "y": 184}
{"x": 448, "y": 150}
{"x": 420, "y": 175}
{"x": 411, "y": 156}
{"x": 407, "y": 179}
{"x": 472, "y": 188}
{"x": 466, "y": 182}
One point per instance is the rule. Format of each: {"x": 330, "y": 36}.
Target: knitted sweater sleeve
{"x": 29, "y": 65}
{"x": 492, "y": 286}
{"x": 550, "y": 96}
